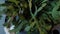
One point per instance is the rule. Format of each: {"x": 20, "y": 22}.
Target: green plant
{"x": 33, "y": 15}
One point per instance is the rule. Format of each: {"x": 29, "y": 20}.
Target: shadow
{"x": 55, "y": 32}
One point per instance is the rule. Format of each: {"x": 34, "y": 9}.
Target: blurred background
{"x": 2, "y": 17}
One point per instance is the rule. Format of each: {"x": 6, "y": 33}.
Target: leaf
{"x": 48, "y": 27}
{"x": 28, "y": 28}
{"x": 43, "y": 31}
{"x": 40, "y": 8}
{"x": 30, "y": 4}
{"x": 14, "y": 1}
{"x": 19, "y": 27}
{"x": 37, "y": 10}
{"x": 44, "y": 1}
{"x": 55, "y": 12}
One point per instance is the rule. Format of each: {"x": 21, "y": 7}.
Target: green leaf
{"x": 55, "y": 12}
{"x": 14, "y": 1}
{"x": 39, "y": 9}
{"x": 19, "y": 27}
{"x": 28, "y": 28}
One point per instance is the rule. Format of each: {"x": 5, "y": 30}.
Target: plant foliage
{"x": 32, "y": 16}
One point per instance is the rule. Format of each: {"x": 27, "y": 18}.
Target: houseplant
{"x": 32, "y": 16}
